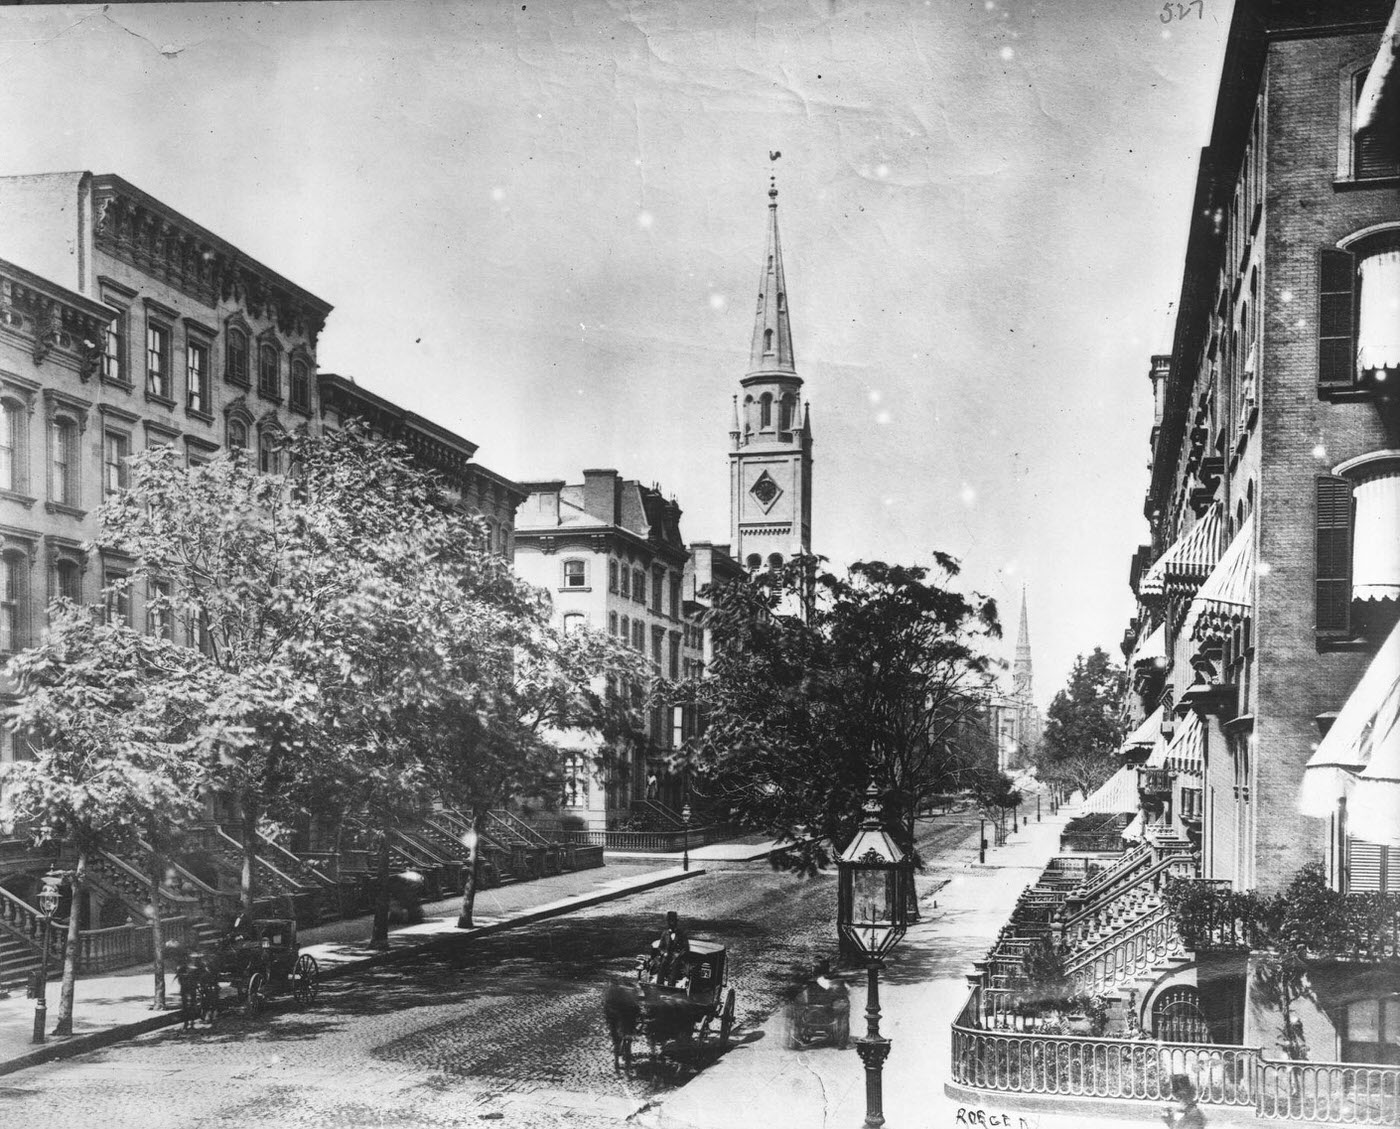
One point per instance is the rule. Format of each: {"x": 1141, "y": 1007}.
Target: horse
{"x": 622, "y": 1008}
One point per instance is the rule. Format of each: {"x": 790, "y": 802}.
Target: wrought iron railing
{"x": 1013, "y": 1057}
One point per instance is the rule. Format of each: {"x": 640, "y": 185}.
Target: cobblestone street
{"x": 508, "y": 1027}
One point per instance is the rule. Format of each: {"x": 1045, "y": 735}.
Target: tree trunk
{"x": 157, "y": 931}
{"x": 379, "y": 936}
{"x": 64, "y": 1026}
{"x": 249, "y": 833}
{"x": 464, "y": 919}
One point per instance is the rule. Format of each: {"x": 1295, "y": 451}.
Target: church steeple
{"x": 770, "y": 455}
{"x": 771, "y": 350}
{"x": 1021, "y": 672}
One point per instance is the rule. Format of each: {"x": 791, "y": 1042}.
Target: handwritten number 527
{"x": 1172, "y": 11}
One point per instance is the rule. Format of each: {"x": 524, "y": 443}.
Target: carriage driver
{"x": 673, "y": 947}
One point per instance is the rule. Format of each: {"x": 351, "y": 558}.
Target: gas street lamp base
{"x": 873, "y": 1052}
{"x": 41, "y": 1019}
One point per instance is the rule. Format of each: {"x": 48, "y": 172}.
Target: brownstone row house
{"x": 1263, "y": 678}
{"x": 125, "y": 325}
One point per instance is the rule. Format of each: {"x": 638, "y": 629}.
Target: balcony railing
{"x": 1075, "y": 1066}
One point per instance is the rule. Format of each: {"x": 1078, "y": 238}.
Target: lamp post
{"x": 872, "y": 912}
{"x": 464, "y": 919}
{"x": 48, "y": 906}
{"x": 685, "y": 832}
{"x": 1037, "y": 807}
{"x": 982, "y": 839}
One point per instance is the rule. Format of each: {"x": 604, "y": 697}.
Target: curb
{"x": 81, "y": 1044}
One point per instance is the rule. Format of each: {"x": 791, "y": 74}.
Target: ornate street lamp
{"x": 872, "y": 912}
{"x": 685, "y": 831}
{"x": 48, "y": 906}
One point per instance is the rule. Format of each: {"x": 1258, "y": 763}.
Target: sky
{"x": 541, "y": 225}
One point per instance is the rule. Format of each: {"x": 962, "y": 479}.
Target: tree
{"x": 107, "y": 712}
{"x": 1083, "y": 728}
{"x": 883, "y": 679}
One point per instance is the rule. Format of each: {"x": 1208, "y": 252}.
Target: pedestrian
{"x": 1183, "y": 1113}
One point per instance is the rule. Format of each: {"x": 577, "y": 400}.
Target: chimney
{"x": 600, "y": 489}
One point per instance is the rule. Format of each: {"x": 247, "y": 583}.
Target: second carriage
{"x": 259, "y": 959}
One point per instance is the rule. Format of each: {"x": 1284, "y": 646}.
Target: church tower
{"x": 770, "y": 457}
{"x": 1028, "y": 725}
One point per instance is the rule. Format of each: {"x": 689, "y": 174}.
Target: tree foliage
{"x": 883, "y": 679}
{"x": 1083, "y": 726}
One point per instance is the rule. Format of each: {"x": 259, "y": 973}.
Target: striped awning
{"x": 1119, "y": 793}
{"x": 1227, "y": 596}
{"x": 1152, "y": 648}
{"x": 1362, "y": 747}
{"x": 1186, "y": 565}
{"x": 1133, "y": 832}
{"x": 1186, "y": 752}
{"x": 1145, "y": 734}
{"x": 1375, "y": 545}
{"x": 1379, "y": 77}
{"x": 1158, "y": 757}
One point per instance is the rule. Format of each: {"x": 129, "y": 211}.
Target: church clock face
{"x": 765, "y": 491}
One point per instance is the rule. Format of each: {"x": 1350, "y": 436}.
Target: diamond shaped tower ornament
{"x": 765, "y": 491}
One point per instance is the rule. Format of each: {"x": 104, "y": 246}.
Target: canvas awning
{"x": 1227, "y": 596}
{"x": 1365, "y": 730}
{"x": 1133, "y": 832}
{"x": 1380, "y": 78}
{"x": 1185, "y": 566}
{"x": 1119, "y": 793}
{"x": 1158, "y": 757}
{"x": 1151, "y": 648}
{"x": 1375, "y": 551}
{"x": 1146, "y": 733}
{"x": 1186, "y": 752}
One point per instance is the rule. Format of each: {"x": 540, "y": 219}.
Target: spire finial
{"x": 773, "y": 155}
{"x": 772, "y": 336}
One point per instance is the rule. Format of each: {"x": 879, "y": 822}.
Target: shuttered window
{"x": 1336, "y": 320}
{"x": 1333, "y": 554}
{"x": 1371, "y": 156}
{"x": 1372, "y": 868}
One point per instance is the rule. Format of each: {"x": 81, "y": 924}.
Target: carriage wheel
{"x": 306, "y": 979}
{"x": 257, "y": 995}
{"x": 726, "y": 1019}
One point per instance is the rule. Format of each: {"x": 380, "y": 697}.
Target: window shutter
{"x": 1333, "y": 554}
{"x": 1363, "y": 866}
{"x": 1336, "y": 321}
{"x": 1371, "y": 156}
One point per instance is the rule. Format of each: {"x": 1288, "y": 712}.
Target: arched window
{"x": 269, "y": 451}
{"x": 767, "y": 342}
{"x": 573, "y": 622}
{"x": 63, "y": 444}
{"x": 301, "y": 386}
{"x": 612, "y": 576}
{"x": 575, "y": 574}
{"x": 269, "y": 374}
{"x": 236, "y": 357}
{"x": 775, "y": 560}
{"x": 754, "y": 562}
{"x": 785, "y": 412}
{"x": 765, "y": 410}
{"x": 237, "y": 435}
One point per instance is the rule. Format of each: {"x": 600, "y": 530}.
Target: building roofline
{"x": 58, "y": 291}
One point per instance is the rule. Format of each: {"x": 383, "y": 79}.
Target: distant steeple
{"x": 1021, "y": 672}
{"x": 771, "y": 350}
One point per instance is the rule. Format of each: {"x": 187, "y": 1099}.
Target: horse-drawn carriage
{"x": 665, "y": 1005}
{"x": 256, "y": 958}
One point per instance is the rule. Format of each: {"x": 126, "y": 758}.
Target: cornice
{"x": 56, "y": 320}
{"x": 139, "y": 230}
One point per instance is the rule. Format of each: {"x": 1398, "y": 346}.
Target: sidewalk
{"x": 922, "y": 988}
{"x": 115, "y": 1006}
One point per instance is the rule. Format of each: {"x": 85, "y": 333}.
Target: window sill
{"x": 236, "y": 381}
{"x": 301, "y": 409}
{"x": 270, "y": 397}
{"x": 575, "y": 588}
{"x": 64, "y": 508}
{"x": 157, "y": 398}
{"x": 124, "y": 385}
{"x": 203, "y": 417}
{"x": 1351, "y": 184}
{"x": 1337, "y": 643}
{"x": 15, "y": 496}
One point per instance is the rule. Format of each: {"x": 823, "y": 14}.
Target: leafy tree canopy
{"x": 1084, "y": 727}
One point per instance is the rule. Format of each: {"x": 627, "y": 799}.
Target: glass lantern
{"x": 873, "y": 893}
